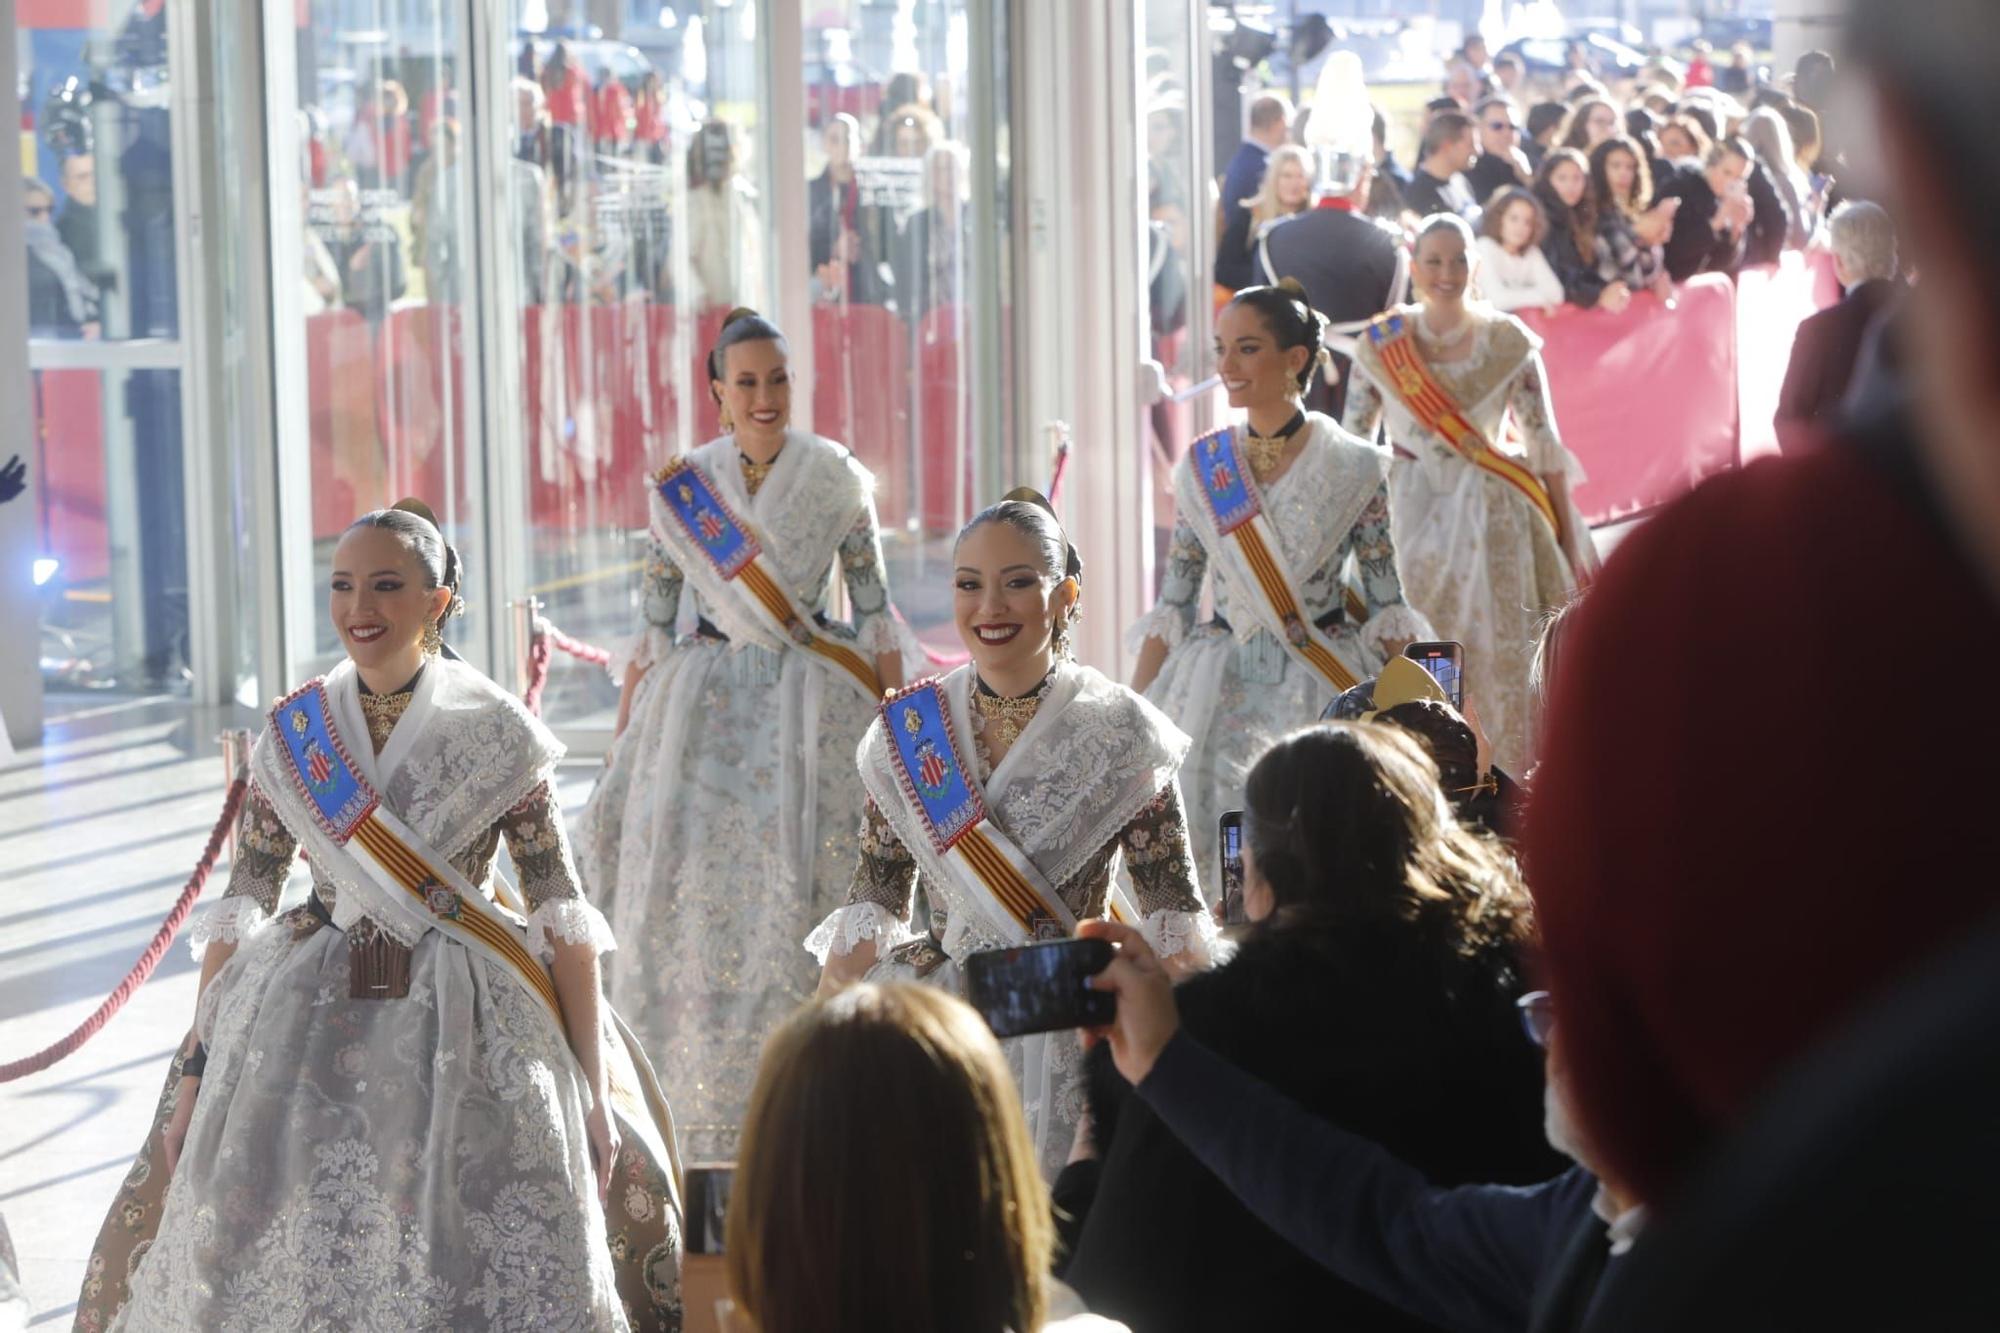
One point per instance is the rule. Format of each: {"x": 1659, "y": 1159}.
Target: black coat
{"x": 1350, "y": 266}
{"x": 1575, "y": 269}
{"x": 1695, "y": 247}
{"x": 1362, "y": 1025}
{"x": 1770, "y": 224}
{"x": 1824, "y": 353}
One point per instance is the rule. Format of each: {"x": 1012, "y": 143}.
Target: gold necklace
{"x": 1003, "y": 720}
{"x": 1267, "y": 451}
{"x": 381, "y": 711}
{"x": 754, "y": 473}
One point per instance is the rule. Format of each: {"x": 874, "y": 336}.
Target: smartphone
{"x": 1445, "y": 661}
{"x": 1040, "y": 987}
{"x": 1230, "y": 841}
{"x": 707, "y": 1208}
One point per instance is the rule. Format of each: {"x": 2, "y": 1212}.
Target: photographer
{"x": 1375, "y": 989}
{"x": 1485, "y": 1258}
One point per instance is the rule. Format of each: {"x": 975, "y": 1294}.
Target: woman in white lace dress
{"x": 724, "y": 825}
{"x": 1479, "y": 494}
{"x": 1238, "y": 682}
{"x": 1023, "y": 756}
{"x": 407, "y": 1109}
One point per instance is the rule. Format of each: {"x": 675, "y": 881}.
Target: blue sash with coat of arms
{"x": 939, "y": 788}
{"x": 732, "y": 550}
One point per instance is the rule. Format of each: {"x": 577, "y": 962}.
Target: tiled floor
{"x": 99, "y": 830}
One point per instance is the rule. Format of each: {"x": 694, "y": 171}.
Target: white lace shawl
{"x": 1312, "y": 508}
{"x": 815, "y": 492}
{"x": 463, "y": 754}
{"x": 1094, "y": 754}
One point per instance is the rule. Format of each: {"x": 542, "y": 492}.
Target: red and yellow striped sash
{"x": 440, "y": 902}
{"x": 1271, "y": 579}
{"x": 1436, "y": 412}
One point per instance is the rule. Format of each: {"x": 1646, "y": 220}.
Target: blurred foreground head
{"x": 886, "y": 1179}
{"x": 1746, "y": 833}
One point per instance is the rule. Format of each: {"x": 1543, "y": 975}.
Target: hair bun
{"x": 1292, "y": 286}
{"x": 410, "y": 504}
{"x": 740, "y": 312}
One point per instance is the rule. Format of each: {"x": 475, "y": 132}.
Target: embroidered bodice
{"x": 814, "y": 529}
{"x": 1319, "y": 482}
{"x": 1155, "y": 845}
{"x": 1499, "y": 384}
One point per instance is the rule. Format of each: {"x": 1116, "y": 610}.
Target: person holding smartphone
{"x": 1379, "y": 1006}
{"x": 1286, "y": 516}
{"x": 1011, "y": 789}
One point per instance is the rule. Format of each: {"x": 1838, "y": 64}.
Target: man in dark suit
{"x": 1828, "y": 343}
{"x": 1270, "y": 125}
{"x": 1351, "y": 265}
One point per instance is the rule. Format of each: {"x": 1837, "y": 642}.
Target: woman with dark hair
{"x": 1514, "y": 269}
{"x": 1010, "y": 789}
{"x": 1376, "y": 988}
{"x": 724, "y": 824}
{"x": 838, "y": 1224}
{"x": 1591, "y": 121}
{"x": 1563, "y": 186}
{"x": 1630, "y": 233}
{"x": 1287, "y": 516}
{"x": 1682, "y": 139}
{"x": 1487, "y": 538}
{"x": 395, "y": 1097}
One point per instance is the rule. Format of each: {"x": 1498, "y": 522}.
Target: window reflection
{"x": 96, "y": 152}
{"x": 898, "y": 315}
{"x": 639, "y": 215}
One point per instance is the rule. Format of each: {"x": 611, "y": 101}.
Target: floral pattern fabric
{"x": 1477, "y": 559}
{"x": 724, "y": 825}
{"x": 409, "y": 1163}
{"x": 1229, "y": 683}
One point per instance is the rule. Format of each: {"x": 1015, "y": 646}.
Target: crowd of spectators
{"x": 1640, "y": 188}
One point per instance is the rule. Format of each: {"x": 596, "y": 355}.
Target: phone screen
{"x": 1445, "y": 661}
{"x": 1040, "y": 987}
{"x": 1231, "y": 844}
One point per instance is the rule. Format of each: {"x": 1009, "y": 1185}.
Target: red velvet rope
{"x": 162, "y": 939}
{"x": 545, "y": 638}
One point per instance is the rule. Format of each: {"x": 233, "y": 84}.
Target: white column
{"x": 1079, "y": 312}
{"x": 20, "y": 606}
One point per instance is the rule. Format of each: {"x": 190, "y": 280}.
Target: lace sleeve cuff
{"x": 571, "y": 920}
{"x": 230, "y": 920}
{"x": 1387, "y": 624}
{"x": 646, "y": 647}
{"x": 1172, "y": 933}
{"x": 847, "y": 926}
{"x": 1167, "y": 621}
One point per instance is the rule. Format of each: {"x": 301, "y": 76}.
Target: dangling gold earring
{"x": 1059, "y": 637}
{"x": 433, "y": 640}
{"x": 728, "y": 422}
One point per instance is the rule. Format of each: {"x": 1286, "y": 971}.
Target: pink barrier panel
{"x": 1770, "y": 303}
{"x": 344, "y": 436}
{"x": 944, "y": 453}
{"x": 1645, "y": 398}
{"x": 861, "y": 396}
{"x": 420, "y": 385}
{"x": 70, "y": 423}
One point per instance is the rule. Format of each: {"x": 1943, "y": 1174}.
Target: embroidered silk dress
{"x": 724, "y": 825}
{"x": 417, "y": 1161}
{"x": 1476, "y": 557}
{"x": 1228, "y": 682}
{"x": 1087, "y": 794}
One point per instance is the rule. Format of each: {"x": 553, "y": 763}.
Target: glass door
{"x": 100, "y": 89}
